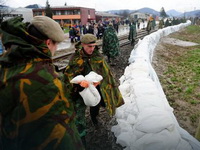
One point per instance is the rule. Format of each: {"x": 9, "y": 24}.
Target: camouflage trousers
{"x": 80, "y": 119}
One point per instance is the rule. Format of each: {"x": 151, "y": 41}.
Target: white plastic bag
{"x": 90, "y": 95}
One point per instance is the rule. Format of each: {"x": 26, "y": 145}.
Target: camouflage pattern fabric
{"x": 82, "y": 64}
{"x": 153, "y": 23}
{"x": 36, "y": 108}
{"x": 110, "y": 41}
{"x": 132, "y": 34}
{"x": 161, "y": 23}
{"x": 149, "y": 26}
{"x": 167, "y": 23}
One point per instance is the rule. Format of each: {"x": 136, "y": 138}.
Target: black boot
{"x": 83, "y": 141}
{"x": 94, "y": 111}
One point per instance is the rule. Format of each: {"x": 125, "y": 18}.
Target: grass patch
{"x": 194, "y": 118}
{"x": 193, "y": 29}
{"x": 184, "y": 76}
{"x": 194, "y": 102}
{"x": 66, "y": 29}
{"x": 179, "y": 74}
{"x": 191, "y": 34}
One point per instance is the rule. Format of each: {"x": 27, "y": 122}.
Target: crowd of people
{"x": 97, "y": 29}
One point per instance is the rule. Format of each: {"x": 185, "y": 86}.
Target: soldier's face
{"x": 89, "y": 48}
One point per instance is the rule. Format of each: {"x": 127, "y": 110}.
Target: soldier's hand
{"x": 96, "y": 83}
{"x": 84, "y": 84}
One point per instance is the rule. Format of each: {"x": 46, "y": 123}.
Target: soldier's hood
{"x": 19, "y": 44}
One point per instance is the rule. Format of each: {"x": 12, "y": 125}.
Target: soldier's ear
{"x": 48, "y": 42}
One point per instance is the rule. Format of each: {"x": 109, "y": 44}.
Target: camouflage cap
{"x": 48, "y": 27}
{"x": 88, "y": 39}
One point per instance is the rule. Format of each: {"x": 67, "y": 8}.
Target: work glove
{"x": 84, "y": 84}
{"x": 96, "y": 83}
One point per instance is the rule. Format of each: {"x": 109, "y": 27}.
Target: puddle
{"x": 177, "y": 42}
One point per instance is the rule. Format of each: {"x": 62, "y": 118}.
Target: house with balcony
{"x": 104, "y": 16}
{"x": 69, "y": 15}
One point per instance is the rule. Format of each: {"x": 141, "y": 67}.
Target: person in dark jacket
{"x": 87, "y": 58}
{"x": 35, "y": 106}
{"x": 149, "y": 25}
{"x": 100, "y": 31}
{"x": 72, "y": 34}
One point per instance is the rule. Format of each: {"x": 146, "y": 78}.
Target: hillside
{"x": 173, "y": 13}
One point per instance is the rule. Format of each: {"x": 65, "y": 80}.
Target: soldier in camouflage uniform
{"x": 36, "y": 110}
{"x": 110, "y": 44}
{"x": 161, "y": 23}
{"x": 149, "y": 25}
{"x": 132, "y": 33}
{"x": 87, "y": 58}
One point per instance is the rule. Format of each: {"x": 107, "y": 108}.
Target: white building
{"x": 138, "y": 15}
{"x": 8, "y": 12}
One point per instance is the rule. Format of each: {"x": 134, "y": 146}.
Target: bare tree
{"x": 48, "y": 11}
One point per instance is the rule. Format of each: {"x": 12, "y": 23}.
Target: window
{"x": 67, "y": 21}
{"x": 76, "y": 12}
{"x": 39, "y": 13}
{"x": 57, "y": 12}
{"x": 63, "y": 12}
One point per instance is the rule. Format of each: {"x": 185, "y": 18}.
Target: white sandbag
{"x": 125, "y": 138}
{"x": 154, "y": 120}
{"x": 90, "y": 94}
{"x": 77, "y": 79}
{"x": 93, "y": 77}
{"x": 131, "y": 119}
{"x": 116, "y": 130}
{"x": 164, "y": 140}
{"x": 119, "y": 113}
{"x": 184, "y": 145}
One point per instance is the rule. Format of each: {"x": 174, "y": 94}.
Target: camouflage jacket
{"x": 82, "y": 64}
{"x": 36, "y": 109}
{"x": 149, "y": 26}
{"x": 110, "y": 41}
{"x": 132, "y": 32}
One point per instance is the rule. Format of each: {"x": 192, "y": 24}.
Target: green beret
{"x": 88, "y": 39}
{"x": 48, "y": 27}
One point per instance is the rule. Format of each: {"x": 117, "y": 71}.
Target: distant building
{"x": 139, "y": 15}
{"x": 8, "y": 12}
{"x": 103, "y": 16}
{"x": 69, "y": 15}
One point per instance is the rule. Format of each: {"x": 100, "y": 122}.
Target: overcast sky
{"x": 103, "y": 5}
